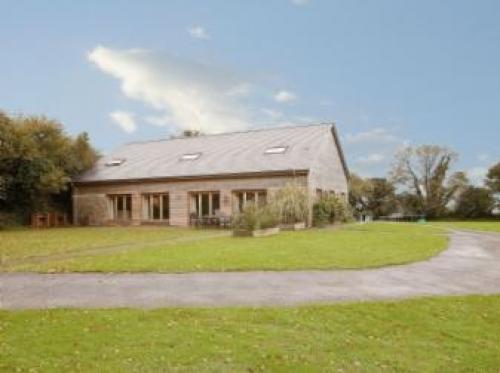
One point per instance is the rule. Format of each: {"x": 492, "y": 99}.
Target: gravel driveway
{"x": 471, "y": 265}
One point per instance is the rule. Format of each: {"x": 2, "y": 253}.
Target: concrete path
{"x": 471, "y": 265}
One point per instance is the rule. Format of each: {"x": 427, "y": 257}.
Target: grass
{"x": 24, "y": 243}
{"x": 353, "y": 246}
{"x": 486, "y": 226}
{"x": 424, "y": 335}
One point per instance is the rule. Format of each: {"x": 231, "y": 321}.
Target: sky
{"x": 388, "y": 73}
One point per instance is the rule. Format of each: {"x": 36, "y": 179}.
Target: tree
{"x": 382, "y": 197}
{"x": 475, "y": 202}
{"x": 374, "y": 196}
{"x": 359, "y": 192}
{"x": 37, "y": 161}
{"x": 493, "y": 178}
{"x": 408, "y": 203}
{"x": 423, "y": 170}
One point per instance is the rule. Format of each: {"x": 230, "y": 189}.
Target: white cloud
{"x": 125, "y": 120}
{"x": 194, "y": 95}
{"x": 477, "y": 175}
{"x": 374, "y": 158}
{"x": 198, "y": 32}
{"x": 285, "y": 97}
{"x": 377, "y": 135}
{"x": 299, "y": 2}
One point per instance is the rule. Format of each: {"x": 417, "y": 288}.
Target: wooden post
{"x": 210, "y": 204}
{"x": 115, "y": 207}
{"x": 200, "y": 214}
{"x": 161, "y": 206}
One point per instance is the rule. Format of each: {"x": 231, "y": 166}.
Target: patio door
{"x": 156, "y": 207}
{"x": 121, "y": 206}
{"x": 205, "y": 204}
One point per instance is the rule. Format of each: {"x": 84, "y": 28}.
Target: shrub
{"x": 267, "y": 217}
{"x": 246, "y": 219}
{"x": 331, "y": 209}
{"x": 9, "y": 219}
{"x": 321, "y": 213}
{"x": 291, "y": 204}
{"x": 255, "y": 217}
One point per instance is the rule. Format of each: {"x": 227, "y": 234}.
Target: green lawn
{"x": 433, "y": 334}
{"x": 353, "y": 246}
{"x": 487, "y": 226}
{"x": 23, "y": 243}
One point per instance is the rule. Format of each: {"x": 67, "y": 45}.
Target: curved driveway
{"x": 471, "y": 265}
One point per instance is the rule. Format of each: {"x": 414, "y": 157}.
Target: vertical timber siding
{"x": 91, "y": 203}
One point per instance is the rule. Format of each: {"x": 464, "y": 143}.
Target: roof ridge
{"x": 261, "y": 129}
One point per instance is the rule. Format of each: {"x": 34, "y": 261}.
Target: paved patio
{"x": 471, "y": 265}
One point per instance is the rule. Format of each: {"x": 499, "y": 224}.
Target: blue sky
{"x": 387, "y": 72}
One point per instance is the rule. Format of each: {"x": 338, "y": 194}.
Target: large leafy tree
{"x": 493, "y": 182}
{"x": 493, "y": 178}
{"x": 424, "y": 172}
{"x": 37, "y": 161}
{"x": 359, "y": 192}
{"x": 475, "y": 202}
{"x": 372, "y": 195}
{"x": 382, "y": 199}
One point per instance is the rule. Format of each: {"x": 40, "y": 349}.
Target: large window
{"x": 156, "y": 206}
{"x": 204, "y": 204}
{"x": 245, "y": 197}
{"x": 121, "y": 206}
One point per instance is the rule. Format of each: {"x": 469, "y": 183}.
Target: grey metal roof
{"x": 229, "y": 153}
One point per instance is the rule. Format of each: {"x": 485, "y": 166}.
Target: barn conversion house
{"x": 174, "y": 181}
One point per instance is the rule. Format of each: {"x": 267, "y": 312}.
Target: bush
{"x": 291, "y": 203}
{"x": 9, "y": 219}
{"x": 246, "y": 219}
{"x": 331, "y": 209}
{"x": 321, "y": 213}
{"x": 267, "y": 217}
{"x": 254, "y": 217}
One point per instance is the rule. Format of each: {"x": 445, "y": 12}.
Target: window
{"x": 115, "y": 162}
{"x": 121, "y": 206}
{"x": 245, "y": 197}
{"x": 190, "y": 156}
{"x": 156, "y": 206}
{"x": 276, "y": 150}
{"x": 204, "y": 204}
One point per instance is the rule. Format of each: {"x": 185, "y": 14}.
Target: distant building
{"x": 208, "y": 176}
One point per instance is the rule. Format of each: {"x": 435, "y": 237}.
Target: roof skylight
{"x": 276, "y": 150}
{"x": 115, "y": 162}
{"x": 190, "y": 156}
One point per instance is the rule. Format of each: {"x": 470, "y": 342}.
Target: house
{"x": 171, "y": 181}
